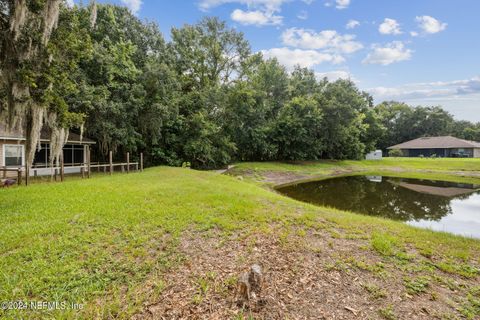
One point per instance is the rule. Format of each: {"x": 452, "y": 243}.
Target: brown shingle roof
{"x": 44, "y": 136}
{"x": 445, "y": 142}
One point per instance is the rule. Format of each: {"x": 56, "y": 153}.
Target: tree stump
{"x": 249, "y": 285}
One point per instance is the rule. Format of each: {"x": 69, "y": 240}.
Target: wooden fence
{"x": 85, "y": 169}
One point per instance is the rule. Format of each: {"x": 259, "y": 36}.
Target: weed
{"x": 375, "y": 291}
{"x": 387, "y": 313}
{"x": 462, "y": 269}
{"x": 417, "y": 285}
{"x": 384, "y": 244}
{"x": 426, "y": 252}
{"x": 470, "y": 308}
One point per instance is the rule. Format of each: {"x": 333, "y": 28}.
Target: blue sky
{"x": 419, "y": 51}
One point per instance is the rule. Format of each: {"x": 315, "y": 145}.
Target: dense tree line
{"x": 402, "y": 122}
{"x": 204, "y": 98}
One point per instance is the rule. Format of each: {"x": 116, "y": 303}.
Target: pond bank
{"x": 279, "y": 174}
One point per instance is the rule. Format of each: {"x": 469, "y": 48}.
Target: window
{"x": 13, "y": 155}
{"x": 73, "y": 154}
{"x": 42, "y": 155}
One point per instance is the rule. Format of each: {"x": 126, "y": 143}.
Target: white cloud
{"x": 308, "y": 1}
{"x": 460, "y": 97}
{"x": 430, "y": 90}
{"x": 392, "y": 52}
{"x": 329, "y": 40}
{"x": 259, "y": 13}
{"x": 133, "y": 5}
{"x": 304, "y": 58}
{"x": 389, "y": 26}
{"x": 430, "y": 25}
{"x": 303, "y": 15}
{"x": 264, "y": 5}
{"x": 335, "y": 75}
{"x": 342, "y": 4}
{"x": 339, "y": 4}
{"x": 352, "y": 24}
{"x": 70, "y": 3}
{"x": 468, "y": 86}
{"x": 256, "y": 17}
{"x": 414, "y": 33}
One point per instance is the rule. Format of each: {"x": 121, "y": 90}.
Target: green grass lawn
{"x": 430, "y": 164}
{"x": 97, "y": 242}
{"x": 83, "y": 239}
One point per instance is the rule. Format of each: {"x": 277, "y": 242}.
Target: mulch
{"x": 301, "y": 281}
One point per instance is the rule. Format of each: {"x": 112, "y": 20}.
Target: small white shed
{"x": 374, "y": 155}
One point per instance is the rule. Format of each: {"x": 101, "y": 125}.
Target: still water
{"x": 437, "y": 205}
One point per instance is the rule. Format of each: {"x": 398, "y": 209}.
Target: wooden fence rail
{"x": 19, "y": 171}
{"x": 84, "y": 168}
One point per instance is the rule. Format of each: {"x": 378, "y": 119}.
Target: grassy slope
{"x": 76, "y": 240}
{"x": 435, "y": 164}
{"x": 462, "y": 170}
{"x": 98, "y": 241}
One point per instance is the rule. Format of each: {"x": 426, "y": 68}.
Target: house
{"x": 12, "y": 151}
{"x": 445, "y": 147}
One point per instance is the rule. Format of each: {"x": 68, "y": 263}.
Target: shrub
{"x": 395, "y": 153}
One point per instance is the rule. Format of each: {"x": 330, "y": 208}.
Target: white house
{"x": 12, "y": 151}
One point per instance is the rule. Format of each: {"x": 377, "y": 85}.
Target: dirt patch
{"x": 277, "y": 178}
{"x": 309, "y": 277}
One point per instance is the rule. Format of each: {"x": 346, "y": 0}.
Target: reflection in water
{"x": 438, "y": 205}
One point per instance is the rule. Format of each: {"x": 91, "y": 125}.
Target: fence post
{"x": 27, "y": 175}
{"x": 19, "y": 176}
{"x": 141, "y": 161}
{"x": 128, "y": 162}
{"x": 88, "y": 161}
{"x": 110, "y": 158}
{"x": 62, "y": 168}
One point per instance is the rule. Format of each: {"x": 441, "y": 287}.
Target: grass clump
{"x": 462, "y": 269}
{"x": 374, "y": 291}
{"x": 470, "y": 308}
{"x": 417, "y": 285}
{"x": 384, "y": 244}
{"x": 387, "y": 313}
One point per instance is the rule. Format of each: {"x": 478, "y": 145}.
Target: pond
{"x": 437, "y": 205}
